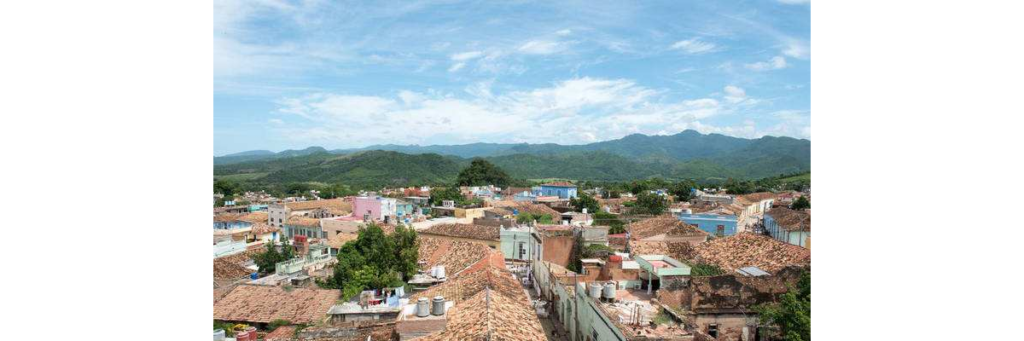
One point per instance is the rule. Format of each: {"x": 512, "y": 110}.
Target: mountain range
{"x": 688, "y": 154}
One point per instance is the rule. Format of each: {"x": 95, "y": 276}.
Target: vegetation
{"x": 278, "y": 323}
{"x": 801, "y": 203}
{"x": 597, "y": 251}
{"x": 584, "y": 201}
{"x": 229, "y": 329}
{"x": 792, "y": 313}
{"x": 439, "y": 194}
{"x": 704, "y": 269}
{"x": 526, "y": 217}
{"x": 649, "y": 203}
{"x": 615, "y": 226}
{"x": 482, "y": 173}
{"x": 681, "y": 190}
{"x": 576, "y": 254}
{"x": 375, "y": 260}
{"x": 268, "y": 259}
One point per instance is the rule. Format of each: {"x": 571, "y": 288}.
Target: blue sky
{"x": 293, "y": 74}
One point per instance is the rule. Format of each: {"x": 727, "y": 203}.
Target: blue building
{"x": 563, "y": 190}
{"x": 718, "y": 225}
{"x": 789, "y": 226}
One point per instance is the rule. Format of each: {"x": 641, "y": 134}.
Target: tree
{"x": 648, "y": 203}
{"x": 681, "y": 190}
{"x": 375, "y": 260}
{"x": 298, "y": 188}
{"x": 636, "y": 187}
{"x": 801, "y": 203}
{"x": 481, "y": 172}
{"x": 576, "y": 254}
{"x": 227, "y": 188}
{"x": 584, "y": 201}
{"x": 526, "y": 217}
{"x": 792, "y": 313}
{"x": 267, "y": 260}
{"x": 615, "y": 226}
{"x": 738, "y": 187}
{"x": 439, "y": 194}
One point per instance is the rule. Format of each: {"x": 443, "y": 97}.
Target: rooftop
{"x": 792, "y": 220}
{"x": 454, "y": 255}
{"x": 664, "y": 224}
{"x": 559, "y": 184}
{"x": 302, "y": 221}
{"x": 748, "y": 249}
{"x": 468, "y": 231}
{"x": 263, "y": 304}
{"x": 338, "y": 203}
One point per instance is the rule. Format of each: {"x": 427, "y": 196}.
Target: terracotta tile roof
{"x": 487, "y": 272}
{"x": 757, "y": 197}
{"x": 663, "y": 224}
{"x": 469, "y": 231}
{"x": 338, "y": 240}
{"x": 282, "y": 333}
{"x": 748, "y": 249}
{"x": 264, "y": 228}
{"x": 454, "y": 255}
{"x": 792, "y": 220}
{"x": 338, "y": 203}
{"x": 302, "y": 221}
{"x": 678, "y": 250}
{"x": 255, "y": 217}
{"x": 233, "y": 266}
{"x": 490, "y": 304}
{"x": 227, "y": 217}
{"x": 263, "y": 304}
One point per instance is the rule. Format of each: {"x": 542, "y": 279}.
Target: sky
{"x": 294, "y": 74}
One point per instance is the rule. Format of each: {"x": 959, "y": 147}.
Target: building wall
{"x": 710, "y": 223}
{"x": 561, "y": 192}
{"x": 368, "y": 207}
{"x": 730, "y": 326}
{"x": 557, "y": 249}
{"x": 514, "y": 241}
{"x": 309, "y": 231}
{"x": 277, "y": 215}
{"x": 230, "y": 225}
{"x": 798, "y": 238}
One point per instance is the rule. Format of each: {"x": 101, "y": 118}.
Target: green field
{"x": 801, "y": 177}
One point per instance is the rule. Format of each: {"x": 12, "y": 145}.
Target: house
{"x": 297, "y": 225}
{"x": 281, "y": 212}
{"x": 719, "y": 225}
{"x": 562, "y": 189}
{"x": 521, "y": 243}
{"x": 789, "y": 226}
{"x": 657, "y": 270}
{"x": 720, "y": 307}
{"x": 485, "y": 302}
{"x": 259, "y": 305}
{"x": 665, "y": 228}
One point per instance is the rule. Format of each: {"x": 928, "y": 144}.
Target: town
{"x": 559, "y": 260}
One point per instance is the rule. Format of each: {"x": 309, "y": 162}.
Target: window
{"x": 713, "y": 330}
{"x": 721, "y": 230}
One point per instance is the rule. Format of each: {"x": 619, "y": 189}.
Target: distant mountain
{"x": 687, "y": 154}
{"x": 256, "y": 155}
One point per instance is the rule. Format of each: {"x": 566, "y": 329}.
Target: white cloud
{"x": 588, "y": 109}
{"x": 735, "y": 94}
{"x": 542, "y": 47}
{"x": 694, "y": 46}
{"x": 456, "y": 67}
{"x": 777, "y": 62}
{"x": 794, "y": 2}
{"x": 564, "y": 32}
{"x": 464, "y": 56}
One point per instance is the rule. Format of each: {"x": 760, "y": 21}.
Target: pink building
{"x": 366, "y": 207}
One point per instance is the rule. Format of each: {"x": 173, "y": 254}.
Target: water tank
{"x": 422, "y": 307}
{"x": 609, "y": 290}
{"x": 438, "y": 306}
{"x": 219, "y": 335}
{"x": 595, "y": 291}
{"x": 439, "y": 271}
{"x": 242, "y": 336}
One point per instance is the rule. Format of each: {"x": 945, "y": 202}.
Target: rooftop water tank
{"x": 219, "y": 335}
{"x": 595, "y": 291}
{"x": 439, "y": 272}
{"x": 242, "y": 336}
{"x": 438, "y": 306}
{"x": 422, "y": 307}
{"x": 609, "y": 290}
